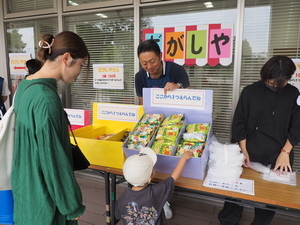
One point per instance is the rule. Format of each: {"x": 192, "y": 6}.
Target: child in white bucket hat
{"x": 143, "y": 202}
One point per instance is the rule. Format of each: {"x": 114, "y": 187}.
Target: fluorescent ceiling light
{"x": 208, "y": 4}
{"x": 72, "y": 3}
{"x": 101, "y": 15}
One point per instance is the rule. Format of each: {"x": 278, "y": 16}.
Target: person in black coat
{"x": 266, "y": 125}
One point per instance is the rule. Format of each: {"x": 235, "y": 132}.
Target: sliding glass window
{"x": 23, "y": 37}
{"x": 109, "y": 38}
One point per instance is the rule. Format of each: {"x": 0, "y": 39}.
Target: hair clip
{"x": 45, "y": 44}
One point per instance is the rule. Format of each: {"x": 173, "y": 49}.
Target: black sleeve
{"x": 239, "y": 127}
{"x": 116, "y": 220}
{"x": 294, "y": 127}
{"x": 183, "y": 78}
{"x": 178, "y": 75}
{"x": 139, "y": 83}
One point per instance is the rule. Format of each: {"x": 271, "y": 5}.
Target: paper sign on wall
{"x": 17, "y": 62}
{"x": 295, "y": 80}
{"x": 108, "y": 76}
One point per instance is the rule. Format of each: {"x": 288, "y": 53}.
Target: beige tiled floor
{"x": 187, "y": 209}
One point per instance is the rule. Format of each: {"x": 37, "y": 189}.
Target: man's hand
{"x": 170, "y": 86}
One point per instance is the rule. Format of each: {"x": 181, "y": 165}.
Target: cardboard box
{"x": 116, "y": 119}
{"x": 197, "y": 108}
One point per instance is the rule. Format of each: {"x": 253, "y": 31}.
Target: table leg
{"x": 107, "y": 198}
{"x": 113, "y": 197}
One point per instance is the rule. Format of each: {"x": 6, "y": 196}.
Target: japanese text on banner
{"x": 210, "y": 44}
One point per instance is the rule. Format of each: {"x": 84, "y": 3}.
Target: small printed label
{"x": 118, "y": 113}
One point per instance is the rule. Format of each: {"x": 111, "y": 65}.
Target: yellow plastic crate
{"x": 108, "y": 152}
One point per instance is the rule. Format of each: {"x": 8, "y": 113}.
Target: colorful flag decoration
{"x": 210, "y": 44}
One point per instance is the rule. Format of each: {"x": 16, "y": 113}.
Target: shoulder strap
{"x": 64, "y": 110}
{"x": 43, "y": 84}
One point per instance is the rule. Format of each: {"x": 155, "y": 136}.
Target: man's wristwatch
{"x": 179, "y": 85}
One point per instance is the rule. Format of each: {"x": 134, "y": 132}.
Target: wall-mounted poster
{"x": 108, "y": 76}
{"x": 295, "y": 80}
{"x": 17, "y": 62}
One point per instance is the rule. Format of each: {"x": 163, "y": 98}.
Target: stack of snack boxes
{"x": 182, "y": 128}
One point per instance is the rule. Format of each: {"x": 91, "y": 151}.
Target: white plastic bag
{"x": 7, "y": 134}
{"x": 289, "y": 178}
{"x": 259, "y": 167}
{"x": 225, "y": 161}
